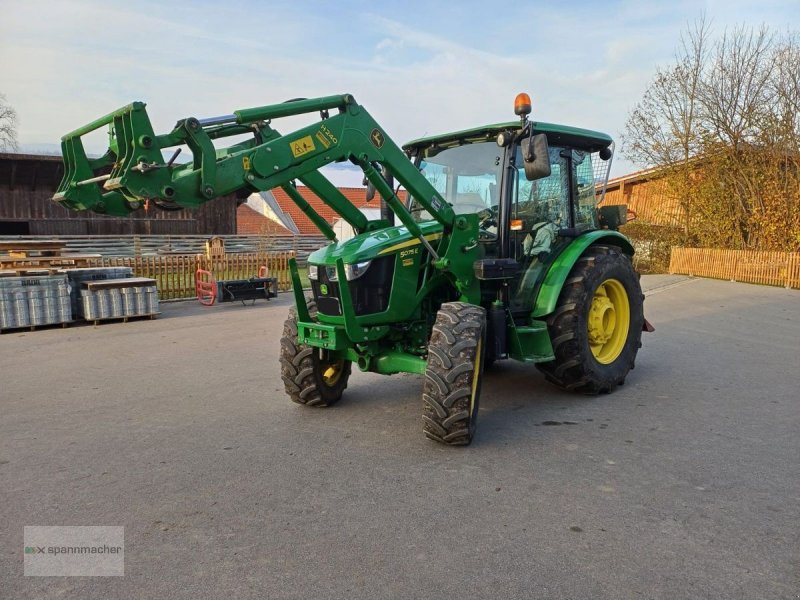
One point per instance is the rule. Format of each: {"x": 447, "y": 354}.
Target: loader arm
{"x": 139, "y": 172}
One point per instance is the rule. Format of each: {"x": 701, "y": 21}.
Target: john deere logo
{"x": 323, "y": 289}
{"x": 377, "y": 138}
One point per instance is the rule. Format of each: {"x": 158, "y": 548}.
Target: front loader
{"x": 497, "y": 251}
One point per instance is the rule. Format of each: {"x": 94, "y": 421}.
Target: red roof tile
{"x": 252, "y": 222}
{"x": 357, "y": 196}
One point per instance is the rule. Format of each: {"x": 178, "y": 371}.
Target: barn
{"x": 27, "y": 184}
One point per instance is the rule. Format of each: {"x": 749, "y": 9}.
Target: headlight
{"x": 357, "y": 270}
{"x": 313, "y": 272}
{"x": 351, "y": 271}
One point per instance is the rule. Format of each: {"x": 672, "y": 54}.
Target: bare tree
{"x": 722, "y": 125}
{"x": 737, "y": 102}
{"x": 781, "y": 134}
{"x": 786, "y": 93}
{"x": 8, "y": 126}
{"x": 735, "y": 94}
{"x": 664, "y": 129}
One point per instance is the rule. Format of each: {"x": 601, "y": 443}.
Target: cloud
{"x": 419, "y": 69}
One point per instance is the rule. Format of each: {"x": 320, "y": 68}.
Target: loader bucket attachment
{"x": 113, "y": 184}
{"x": 133, "y": 171}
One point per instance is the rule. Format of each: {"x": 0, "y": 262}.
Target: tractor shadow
{"x": 516, "y": 400}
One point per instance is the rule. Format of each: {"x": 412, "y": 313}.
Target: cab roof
{"x": 582, "y": 139}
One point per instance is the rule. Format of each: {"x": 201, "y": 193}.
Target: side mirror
{"x": 535, "y": 156}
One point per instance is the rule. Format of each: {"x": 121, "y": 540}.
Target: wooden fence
{"x": 749, "y": 266}
{"x": 175, "y": 274}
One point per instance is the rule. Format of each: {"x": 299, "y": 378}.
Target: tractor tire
{"x": 596, "y": 328}
{"x": 452, "y": 387}
{"x": 308, "y": 377}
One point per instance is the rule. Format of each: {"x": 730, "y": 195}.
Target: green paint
{"x": 530, "y": 343}
{"x": 559, "y": 271}
{"x": 384, "y": 341}
{"x": 583, "y": 139}
{"x": 297, "y": 290}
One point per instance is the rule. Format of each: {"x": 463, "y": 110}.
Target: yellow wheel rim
{"x": 609, "y": 321}
{"x": 332, "y": 372}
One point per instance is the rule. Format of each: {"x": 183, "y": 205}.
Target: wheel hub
{"x": 608, "y": 321}
{"x": 602, "y": 319}
{"x": 332, "y": 372}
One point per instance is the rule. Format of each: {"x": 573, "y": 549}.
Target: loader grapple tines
{"x": 87, "y": 183}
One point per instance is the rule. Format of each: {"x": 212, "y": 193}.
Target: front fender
{"x": 558, "y": 272}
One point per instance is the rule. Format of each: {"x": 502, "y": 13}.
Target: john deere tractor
{"x": 494, "y": 250}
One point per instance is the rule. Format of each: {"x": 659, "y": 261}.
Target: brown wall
{"x": 27, "y": 184}
{"x": 648, "y": 197}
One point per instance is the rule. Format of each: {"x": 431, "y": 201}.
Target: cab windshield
{"x": 466, "y": 176}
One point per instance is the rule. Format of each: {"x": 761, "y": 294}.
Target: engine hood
{"x": 372, "y": 244}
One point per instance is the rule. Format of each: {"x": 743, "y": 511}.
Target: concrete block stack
{"x": 118, "y": 298}
{"x": 77, "y": 277}
{"x": 28, "y": 301}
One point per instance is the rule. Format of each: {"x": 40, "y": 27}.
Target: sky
{"x": 419, "y": 67}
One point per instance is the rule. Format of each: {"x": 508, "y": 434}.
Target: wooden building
{"x": 28, "y": 182}
{"x": 647, "y": 194}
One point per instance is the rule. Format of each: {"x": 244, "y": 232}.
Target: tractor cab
{"x": 528, "y": 215}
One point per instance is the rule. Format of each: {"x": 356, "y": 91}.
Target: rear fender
{"x": 558, "y": 272}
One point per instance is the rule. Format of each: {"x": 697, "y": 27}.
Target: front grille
{"x": 328, "y": 303}
{"x": 370, "y": 292}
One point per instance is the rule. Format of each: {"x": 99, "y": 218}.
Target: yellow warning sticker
{"x": 322, "y": 139}
{"x": 407, "y": 262}
{"x": 302, "y": 146}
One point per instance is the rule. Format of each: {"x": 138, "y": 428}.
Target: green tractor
{"x": 495, "y": 250}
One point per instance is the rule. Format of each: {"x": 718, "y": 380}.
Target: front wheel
{"x": 596, "y": 328}
{"x": 453, "y": 377}
{"x": 311, "y": 376}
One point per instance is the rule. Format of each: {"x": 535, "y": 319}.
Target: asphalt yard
{"x": 684, "y": 483}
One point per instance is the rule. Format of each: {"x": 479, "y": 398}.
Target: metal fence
{"x": 749, "y": 266}
{"x": 162, "y": 245}
{"x": 175, "y": 274}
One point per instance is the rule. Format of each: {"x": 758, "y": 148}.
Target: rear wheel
{"x": 453, "y": 377}
{"x": 596, "y": 328}
{"x": 311, "y": 376}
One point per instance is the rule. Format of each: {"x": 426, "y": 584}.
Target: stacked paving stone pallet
{"x": 118, "y": 298}
{"x": 93, "y": 294}
{"x": 29, "y": 301}
{"x": 77, "y": 277}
